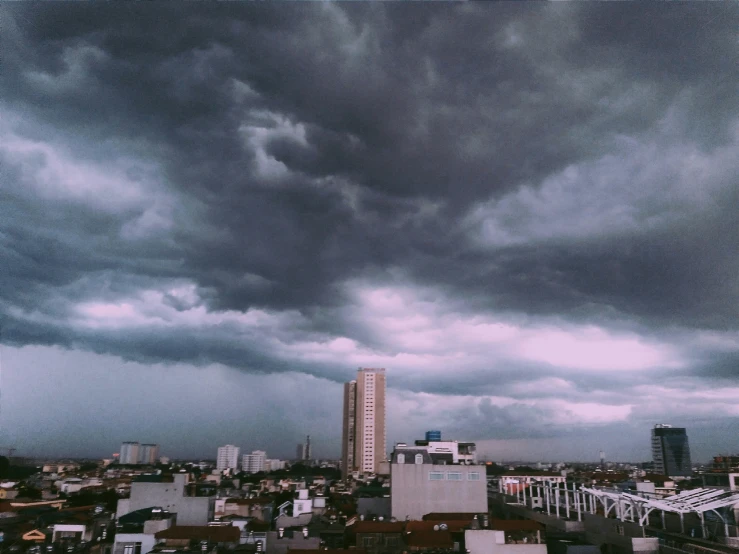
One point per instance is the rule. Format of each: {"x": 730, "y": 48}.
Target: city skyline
{"x": 526, "y": 212}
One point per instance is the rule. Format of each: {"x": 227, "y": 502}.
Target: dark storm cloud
{"x": 300, "y": 147}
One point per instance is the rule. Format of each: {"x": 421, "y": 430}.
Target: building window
{"x": 400, "y": 458}
{"x": 473, "y": 476}
{"x": 419, "y": 458}
{"x": 436, "y": 476}
{"x": 132, "y": 548}
{"x": 453, "y": 476}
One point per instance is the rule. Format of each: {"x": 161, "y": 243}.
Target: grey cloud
{"x": 412, "y": 118}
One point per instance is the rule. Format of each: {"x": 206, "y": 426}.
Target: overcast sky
{"x": 212, "y": 215}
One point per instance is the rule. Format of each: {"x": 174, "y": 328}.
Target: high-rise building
{"x": 363, "y": 440}
{"x": 306, "y": 451}
{"x": 228, "y": 457}
{"x": 671, "y": 451}
{"x": 254, "y": 462}
{"x": 300, "y": 451}
{"x": 129, "y": 453}
{"x": 433, "y": 436}
{"x": 348, "y": 429}
{"x": 149, "y": 454}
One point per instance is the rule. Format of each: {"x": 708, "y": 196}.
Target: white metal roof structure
{"x": 637, "y": 508}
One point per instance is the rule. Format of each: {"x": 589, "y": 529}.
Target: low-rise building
{"x": 507, "y": 537}
{"x": 377, "y": 537}
{"x": 136, "y": 531}
{"x": 203, "y": 538}
{"x": 419, "y": 486}
{"x": 173, "y": 494}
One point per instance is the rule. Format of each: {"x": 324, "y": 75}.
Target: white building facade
{"x": 129, "y": 453}
{"x": 228, "y": 457}
{"x": 149, "y": 454}
{"x": 254, "y": 462}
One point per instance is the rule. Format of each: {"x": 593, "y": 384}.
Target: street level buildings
{"x": 363, "y": 445}
{"x": 671, "y": 451}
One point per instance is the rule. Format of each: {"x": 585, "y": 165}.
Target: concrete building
{"x": 363, "y": 438}
{"x": 274, "y": 465}
{"x": 228, "y": 457}
{"x": 254, "y": 462}
{"x": 507, "y": 537}
{"x": 671, "y": 451}
{"x": 149, "y": 454}
{"x": 136, "y": 530}
{"x": 419, "y": 487}
{"x": 454, "y": 451}
{"x": 307, "y": 454}
{"x": 129, "y": 453}
{"x": 171, "y": 494}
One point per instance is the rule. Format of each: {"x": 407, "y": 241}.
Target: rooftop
{"x": 377, "y": 527}
{"x": 224, "y": 533}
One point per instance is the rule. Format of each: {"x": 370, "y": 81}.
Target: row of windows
{"x": 453, "y": 476}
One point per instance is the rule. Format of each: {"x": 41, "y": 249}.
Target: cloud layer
{"x": 526, "y": 213}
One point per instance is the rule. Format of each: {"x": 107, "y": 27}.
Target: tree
{"x": 29, "y": 491}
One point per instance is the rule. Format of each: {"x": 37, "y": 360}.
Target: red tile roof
{"x": 515, "y": 525}
{"x": 377, "y": 527}
{"x": 249, "y": 501}
{"x": 452, "y": 516}
{"x": 215, "y": 533}
{"x": 429, "y": 539}
{"x": 453, "y": 526}
{"x": 327, "y": 551}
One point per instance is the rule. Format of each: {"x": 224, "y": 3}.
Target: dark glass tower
{"x": 671, "y": 451}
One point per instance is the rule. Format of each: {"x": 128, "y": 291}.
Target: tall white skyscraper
{"x": 363, "y": 440}
{"x": 149, "y": 454}
{"x": 129, "y": 453}
{"x": 228, "y": 457}
{"x": 254, "y": 462}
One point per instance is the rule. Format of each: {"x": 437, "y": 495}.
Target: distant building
{"x": 306, "y": 451}
{"x": 254, "y": 462}
{"x": 274, "y": 465}
{"x": 300, "y": 451}
{"x": 129, "y": 453}
{"x": 418, "y": 486}
{"x": 149, "y": 454}
{"x": 228, "y": 457}
{"x": 726, "y": 463}
{"x": 363, "y": 438}
{"x": 433, "y": 436}
{"x": 671, "y": 451}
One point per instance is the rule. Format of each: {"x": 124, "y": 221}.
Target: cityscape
{"x": 324, "y": 277}
{"x": 430, "y": 495}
